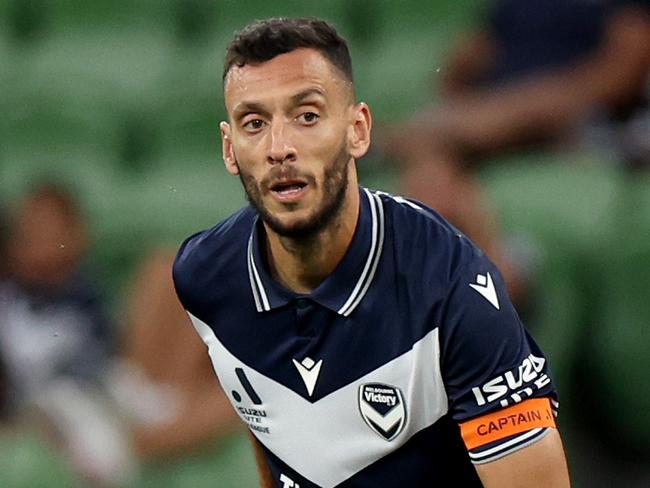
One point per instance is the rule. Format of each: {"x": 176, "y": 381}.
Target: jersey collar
{"x": 343, "y": 290}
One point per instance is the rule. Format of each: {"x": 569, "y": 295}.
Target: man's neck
{"x": 301, "y": 265}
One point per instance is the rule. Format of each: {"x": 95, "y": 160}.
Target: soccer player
{"x": 362, "y": 339}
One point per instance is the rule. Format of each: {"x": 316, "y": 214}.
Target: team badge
{"x": 382, "y": 408}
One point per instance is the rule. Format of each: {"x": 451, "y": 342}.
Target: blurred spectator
{"x": 539, "y": 72}
{"x": 55, "y": 339}
{"x": 107, "y": 412}
{"x": 51, "y": 320}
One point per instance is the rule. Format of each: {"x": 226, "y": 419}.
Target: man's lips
{"x": 288, "y": 190}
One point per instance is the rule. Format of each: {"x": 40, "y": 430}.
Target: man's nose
{"x": 281, "y": 148}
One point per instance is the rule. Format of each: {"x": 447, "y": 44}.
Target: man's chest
{"x": 330, "y": 396}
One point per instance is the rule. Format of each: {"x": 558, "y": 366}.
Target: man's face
{"x": 292, "y": 136}
{"x": 45, "y": 244}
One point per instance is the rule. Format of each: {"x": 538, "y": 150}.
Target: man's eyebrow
{"x": 246, "y": 107}
{"x": 300, "y": 97}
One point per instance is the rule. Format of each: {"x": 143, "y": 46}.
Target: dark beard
{"x": 335, "y": 185}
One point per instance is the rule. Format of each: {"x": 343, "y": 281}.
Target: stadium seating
{"x": 121, "y": 99}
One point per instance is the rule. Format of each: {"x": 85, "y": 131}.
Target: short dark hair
{"x": 262, "y": 40}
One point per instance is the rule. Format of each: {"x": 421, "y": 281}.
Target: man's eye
{"x": 254, "y": 124}
{"x": 308, "y": 118}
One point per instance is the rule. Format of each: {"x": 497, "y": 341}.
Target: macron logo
{"x": 308, "y": 370}
{"x": 485, "y": 286}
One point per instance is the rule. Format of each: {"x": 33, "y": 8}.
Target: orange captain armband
{"x": 533, "y": 413}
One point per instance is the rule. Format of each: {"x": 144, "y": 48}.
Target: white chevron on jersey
{"x": 333, "y": 452}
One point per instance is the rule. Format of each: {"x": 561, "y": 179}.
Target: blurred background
{"x": 525, "y": 122}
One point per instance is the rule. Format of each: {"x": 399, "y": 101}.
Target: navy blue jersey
{"x": 370, "y": 379}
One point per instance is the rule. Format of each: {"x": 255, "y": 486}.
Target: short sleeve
{"x": 497, "y": 379}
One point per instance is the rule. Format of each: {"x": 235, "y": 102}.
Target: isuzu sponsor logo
{"x": 382, "y": 408}
{"x": 254, "y": 416}
{"x": 518, "y": 383}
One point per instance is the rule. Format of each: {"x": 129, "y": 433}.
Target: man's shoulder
{"x": 424, "y": 239}
{"x": 413, "y": 213}
{"x": 206, "y": 254}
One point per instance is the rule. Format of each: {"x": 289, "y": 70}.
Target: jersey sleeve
{"x": 497, "y": 379}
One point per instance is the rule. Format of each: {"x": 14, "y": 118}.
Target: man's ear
{"x": 227, "y": 151}
{"x": 361, "y": 128}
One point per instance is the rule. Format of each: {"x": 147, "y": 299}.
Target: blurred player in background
{"x": 52, "y": 320}
{"x": 109, "y": 405}
{"x": 55, "y": 336}
{"x": 363, "y": 339}
{"x": 539, "y": 72}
